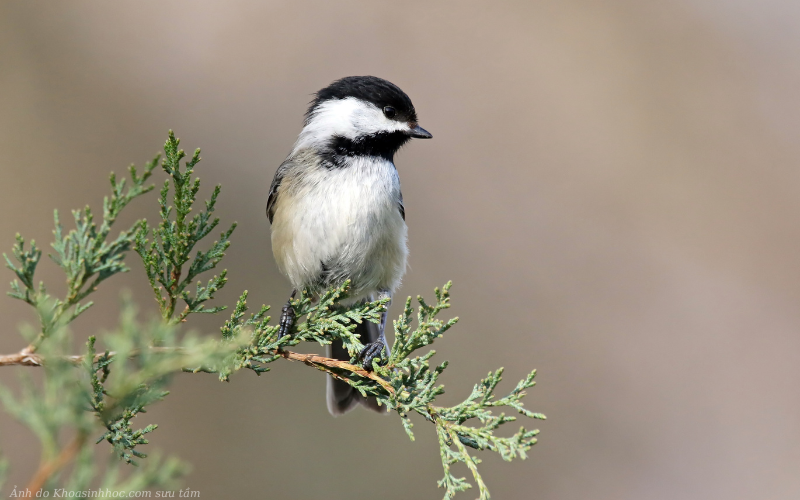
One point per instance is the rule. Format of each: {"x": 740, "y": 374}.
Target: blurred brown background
{"x": 617, "y": 180}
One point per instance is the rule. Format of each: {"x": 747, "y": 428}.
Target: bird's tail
{"x": 341, "y": 396}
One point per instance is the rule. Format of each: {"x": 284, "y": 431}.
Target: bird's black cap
{"x": 371, "y": 89}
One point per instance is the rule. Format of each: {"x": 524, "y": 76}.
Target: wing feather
{"x": 273, "y": 189}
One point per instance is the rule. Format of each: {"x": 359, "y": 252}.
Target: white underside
{"x": 347, "y": 218}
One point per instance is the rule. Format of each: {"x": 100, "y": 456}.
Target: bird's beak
{"x": 418, "y": 132}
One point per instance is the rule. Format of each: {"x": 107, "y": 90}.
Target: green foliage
{"x": 58, "y": 404}
{"x": 85, "y": 254}
{"x": 28, "y": 260}
{"x": 175, "y": 238}
{"x": 415, "y": 389}
{"x": 101, "y": 394}
{"x": 141, "y": 373}
{"x": 413, "y": 382}
{"x": 56, "y": 410}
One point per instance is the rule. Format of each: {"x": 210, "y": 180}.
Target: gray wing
{"x": 273, "y": 189}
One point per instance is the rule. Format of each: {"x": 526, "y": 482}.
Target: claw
{"x": 287, "y": 317}
{"x": 370, "y": 352}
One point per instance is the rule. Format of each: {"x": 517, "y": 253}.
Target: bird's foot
{"x": 369, "y": 353}
{"x": 287, "y": 318}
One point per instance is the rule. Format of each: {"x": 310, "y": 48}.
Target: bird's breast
{"x": 341, "y": 223}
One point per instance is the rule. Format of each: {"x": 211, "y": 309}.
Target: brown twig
{"x": 319, "y": 361}
{"x": 49, "y": 468}
{"x": 26, "y": 357}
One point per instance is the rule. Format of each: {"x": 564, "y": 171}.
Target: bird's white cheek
{"x": 349, "y": 118}
{"x": 372, "y": 121}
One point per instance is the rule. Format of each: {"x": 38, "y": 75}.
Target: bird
{"x": 336, "y": 210}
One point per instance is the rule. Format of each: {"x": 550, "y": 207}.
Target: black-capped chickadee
{"x": 337, "y": 211}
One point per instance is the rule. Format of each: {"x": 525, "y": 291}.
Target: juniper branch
{"x": 406, "y": 384}
{"x": 85, "y": 254}
{"x": 175, "y": 238}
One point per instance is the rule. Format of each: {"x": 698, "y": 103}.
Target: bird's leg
{"x": 373, "y": 350}
{"x": 287, "y": 317}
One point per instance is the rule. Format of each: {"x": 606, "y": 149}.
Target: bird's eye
{"x": 389, "y": 111}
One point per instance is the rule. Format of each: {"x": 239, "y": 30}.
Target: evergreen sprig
{"x": 85, "y": 254}
{"x": 413, "y": 383}
{"x": 59, "y": 403}
{"x": 176, "y": 237}
{"x": 143, "y": 358}
{"x": 119, "y": 433}
{"x": 57, "y": 409}
{"x": 326, "y": 320}
{"x": 88, "y": 256}
{"x": 28, "y": 260}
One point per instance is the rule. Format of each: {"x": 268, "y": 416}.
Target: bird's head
{"x": 360, "y": 115}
